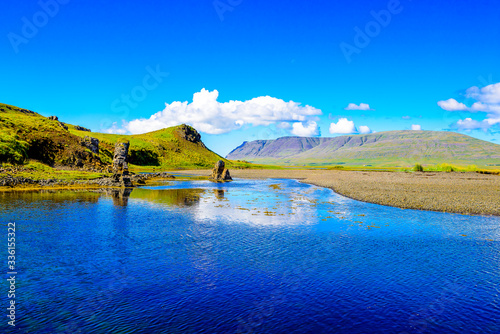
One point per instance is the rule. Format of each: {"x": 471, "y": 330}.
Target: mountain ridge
{"x": 389, "y": 148}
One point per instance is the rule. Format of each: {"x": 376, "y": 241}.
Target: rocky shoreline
{"x": 12, "y": 181}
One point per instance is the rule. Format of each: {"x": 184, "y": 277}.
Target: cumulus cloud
{"x": 489, "y": 94}
{"x": 353, "y": 106}
{"x": 309, "y": 130}
{"x": 452, "y": 105}
{"x": 363, "y": 129}
{"x": 471, "y": 124}
{"x": 344, "y": 126}
{"x": 416, "y": 127}
{"x": 208, "y": 115}
{"x": 487, "y": 101}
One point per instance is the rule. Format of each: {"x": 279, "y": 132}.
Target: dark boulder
{"x": 220, "y": 173}
{"x": 81, "y": 128}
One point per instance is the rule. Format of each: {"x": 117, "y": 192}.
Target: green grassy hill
{"x": 26, "y": 135}
{"x": 382, "y": 149}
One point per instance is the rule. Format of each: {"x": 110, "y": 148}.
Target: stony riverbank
{"x": 11, "y": 181}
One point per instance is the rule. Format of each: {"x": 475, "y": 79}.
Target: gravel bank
{"x": 466, "y": 193}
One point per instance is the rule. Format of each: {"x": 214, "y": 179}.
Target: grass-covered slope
{"x": 26, "y": 135}
{"x": 387, "y": 149}
{"x": 178, "y": 146}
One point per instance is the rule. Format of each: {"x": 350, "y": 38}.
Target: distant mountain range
{"x": 391, "y": 148}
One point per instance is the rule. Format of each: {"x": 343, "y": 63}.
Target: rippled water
{"x": 273, "y": 256}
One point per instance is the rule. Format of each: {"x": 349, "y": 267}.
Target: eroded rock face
{"x": 53, "y": 118}
{"x": 220, "y": 173}
{"x": 91, "y": 143}
{"x": 120, "y": 158}
{"x": 120, "y": 165}
{"x": 190, "y": 134}
{"x": 81, "y": 128}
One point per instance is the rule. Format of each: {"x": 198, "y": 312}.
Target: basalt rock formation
{"x": 120, "y": 164}
{"x": 220, "y": 173}
{"x": 81, "y": 128}
{"x": 91, "y": 143}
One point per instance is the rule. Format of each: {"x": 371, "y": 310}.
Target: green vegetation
{"x": 418, "y": 168}
{"x": 167, "y": 148}
{"x": 38, "y": 171}
{"x": 26, "y": 135}
{"x": 448, "y": 168}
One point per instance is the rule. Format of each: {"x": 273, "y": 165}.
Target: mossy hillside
{"x": 166, "y": 148}
{"x": 26, "y": 135}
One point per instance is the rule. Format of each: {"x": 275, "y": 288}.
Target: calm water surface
{"x": 273, "y": 256}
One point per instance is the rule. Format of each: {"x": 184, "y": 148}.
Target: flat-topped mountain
{"x": 391, "y": 148}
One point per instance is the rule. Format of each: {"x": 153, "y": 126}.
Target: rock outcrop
{"x": 220, "y": 173}
{"x": 53, "y": 118}
{"x": 91, "y": 143}
{"x": 189, "y": 133}
{"x": 120, "y": 164}
{"x": 81, "y": 128}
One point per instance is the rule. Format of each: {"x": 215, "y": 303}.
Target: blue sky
{"x": 259, "y": 69}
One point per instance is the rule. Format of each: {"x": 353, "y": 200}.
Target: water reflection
{"x": 280, "y": 256}
{"x": 120, "y": 196}
{"x": 51, "y": 197}
{"x": 219, "y": 193}
{"x": 173, "y": 197}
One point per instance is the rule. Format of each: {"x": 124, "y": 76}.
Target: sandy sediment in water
{"x": 466, "y": 193}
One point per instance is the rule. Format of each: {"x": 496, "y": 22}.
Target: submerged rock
{"x": 220, "y": 173}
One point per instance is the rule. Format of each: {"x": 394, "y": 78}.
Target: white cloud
{"x": 208, "y": 115}
{"x": 452, "y": 105}
{"x": 471, "y": 124}
{"x": 343, "y": 126}
{"x": 416, "y": 127}
{"x": 311, "y": 129}
{"x": 283, "y": 125}
{"x": 115, "y": 129}
{"x": 406, "y": 117}
{"x": 491, "y": 108}
{"x": 363, "y": 129}
{"x": 487, "y": 100}
{"x": 353, "y": 106}
{"x": 488, "y": 94}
